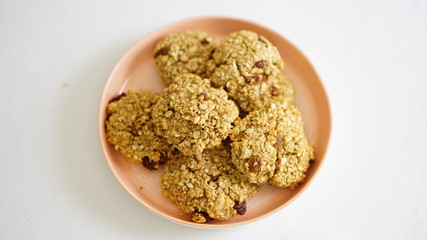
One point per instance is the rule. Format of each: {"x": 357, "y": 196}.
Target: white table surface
{"x": 55, "y": 57}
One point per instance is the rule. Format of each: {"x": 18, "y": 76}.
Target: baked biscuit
{"x": 269, "y": 145}
{"x": 128, "y": 128}
{"x": 193, "y": 116}
{"x": 294, "y": 151}
{"x": 247, "y": 66}
{"x": 207, "y": 185}
{"x": 183, "y": 52}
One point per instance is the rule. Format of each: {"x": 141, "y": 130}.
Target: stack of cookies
{"x": 223, "y": 126}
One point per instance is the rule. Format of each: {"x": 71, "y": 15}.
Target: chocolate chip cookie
{"x": 183, "y": 52}
{"x": 193, "y": 116}
{"x": 207, "y": 185}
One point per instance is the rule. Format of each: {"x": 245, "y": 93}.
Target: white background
{"x": 55, "y": 57}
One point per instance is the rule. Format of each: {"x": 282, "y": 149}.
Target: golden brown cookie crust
{"x": 207, "y": 185}
{"x": 183, "y": 52}
{"x": 269, "y": 145}
{"x": 295, "y": 151}
{"x": 247, "y": 66}
{"x": 129, "y": 129}
{"x": 193, "y": 116}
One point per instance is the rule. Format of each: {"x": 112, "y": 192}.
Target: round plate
{"x": 137, "y": 69}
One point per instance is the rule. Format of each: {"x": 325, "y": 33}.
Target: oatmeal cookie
{"x": 193, "y": 116}
{"x": 246, "y": 65}
{"x": 207, "y": 185}
{"x": 269, "y": 145}
{"x": 279, "y": 90}
{"x": 253, "y": 151}
{"x": 129, "y": 129}
{"x": 183, "y": 52}
{"x": 294, "y": 151}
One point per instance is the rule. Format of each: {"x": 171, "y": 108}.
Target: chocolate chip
{"x": 253, "y": 79}
{"x": 275, "y": 91}
{"x": 240, "y": 207}
{"x": 205, "y": 215}
{"x": 204, "y": 41}
{"x": 162, "y": 51}
{"x": 205, "y": 96}
{"x": 213, "y": 179}
{"x": 255, "y": 163}
{"x": 117, "y": 98}
{"x": 278, "y": 142}
{"x": 311, "y": 161}
{"x": 261, "y": 63}
{"x": 146, "y": 162}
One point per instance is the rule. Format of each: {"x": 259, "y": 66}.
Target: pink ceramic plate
{"x": 136, "y": 69}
